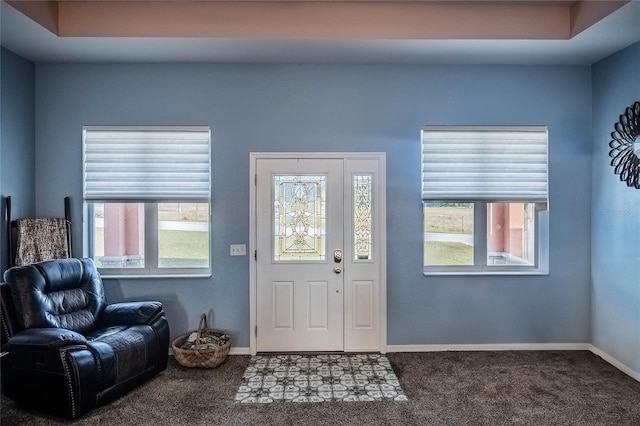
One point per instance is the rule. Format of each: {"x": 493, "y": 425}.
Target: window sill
{"x": 487, "y": 273}
{"x": 172, "y": 275}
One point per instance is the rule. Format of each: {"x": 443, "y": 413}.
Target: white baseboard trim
{"x": 520, "y": 347}
{"x": 617, "y": 364}
{"x": 239, "y": 351}
{"x": 492, "y": 347}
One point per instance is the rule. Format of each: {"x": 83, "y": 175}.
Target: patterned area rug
{"x": 319, "y": 378}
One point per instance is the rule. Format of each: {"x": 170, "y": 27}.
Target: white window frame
{"x": 480, "y": 243}
{"x": 480, "y": 266}
{"x": 151, "y": 255}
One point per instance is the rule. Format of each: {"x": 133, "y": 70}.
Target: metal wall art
{"x": 625, "y": 146}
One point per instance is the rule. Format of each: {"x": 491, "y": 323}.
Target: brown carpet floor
{"x": 443, "y": 388}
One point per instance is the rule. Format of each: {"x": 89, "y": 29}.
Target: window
{"x": 147, "y": 192}
{"x": 299, "y": 217}
{"x": 362, "y": 216}
{"x": 485, "y": 200}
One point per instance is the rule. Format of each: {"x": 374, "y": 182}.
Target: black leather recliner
{"x": 68, "y": 351}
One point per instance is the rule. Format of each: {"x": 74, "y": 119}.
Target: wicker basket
{"x": 199, "y": 356}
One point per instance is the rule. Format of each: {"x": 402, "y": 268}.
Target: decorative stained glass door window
{"x": 362, "y": 216}
{"x": 299, "y": 217}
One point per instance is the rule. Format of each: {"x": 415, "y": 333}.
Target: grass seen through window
{"x": 179, "y": 248}
{"x": 445, "y": 227}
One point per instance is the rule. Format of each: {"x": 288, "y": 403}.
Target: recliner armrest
{"x": 50, "y": 368}
{"x": 45, "y": 338}
{"x": 129, "y": 313}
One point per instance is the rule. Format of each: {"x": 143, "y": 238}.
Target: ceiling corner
{"x": 45, "y": 13}
{"x": 585, "y": 13}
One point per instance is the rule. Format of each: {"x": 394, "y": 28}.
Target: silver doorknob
{"x": 337, "y": 256}
{"x": 337, "y": 270}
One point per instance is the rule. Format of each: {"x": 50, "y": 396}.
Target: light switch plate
{"x": 238, "y": 250}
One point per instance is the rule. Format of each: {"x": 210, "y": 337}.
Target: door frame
{"x": 381, "y": 225}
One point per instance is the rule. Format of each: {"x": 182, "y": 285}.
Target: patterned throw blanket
{"x": 41, "y": 239}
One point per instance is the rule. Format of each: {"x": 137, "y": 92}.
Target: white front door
{"x": 318, "y": 254}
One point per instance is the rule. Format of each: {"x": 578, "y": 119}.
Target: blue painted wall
{"x": 615, "y": 214}
{"x": 17, "y": 140}
{"x": 342, "y": 108}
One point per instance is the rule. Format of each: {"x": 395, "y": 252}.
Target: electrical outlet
{"x": 238, "y": 250}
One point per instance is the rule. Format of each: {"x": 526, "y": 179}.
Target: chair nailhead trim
{"x": 67, "y": 373}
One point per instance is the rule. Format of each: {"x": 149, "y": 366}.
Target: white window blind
{"x": 146, "y": 163}
{"x": 497, "y": 164}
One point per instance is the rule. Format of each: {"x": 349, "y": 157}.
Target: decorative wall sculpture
{"x": 625, "y": 146}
